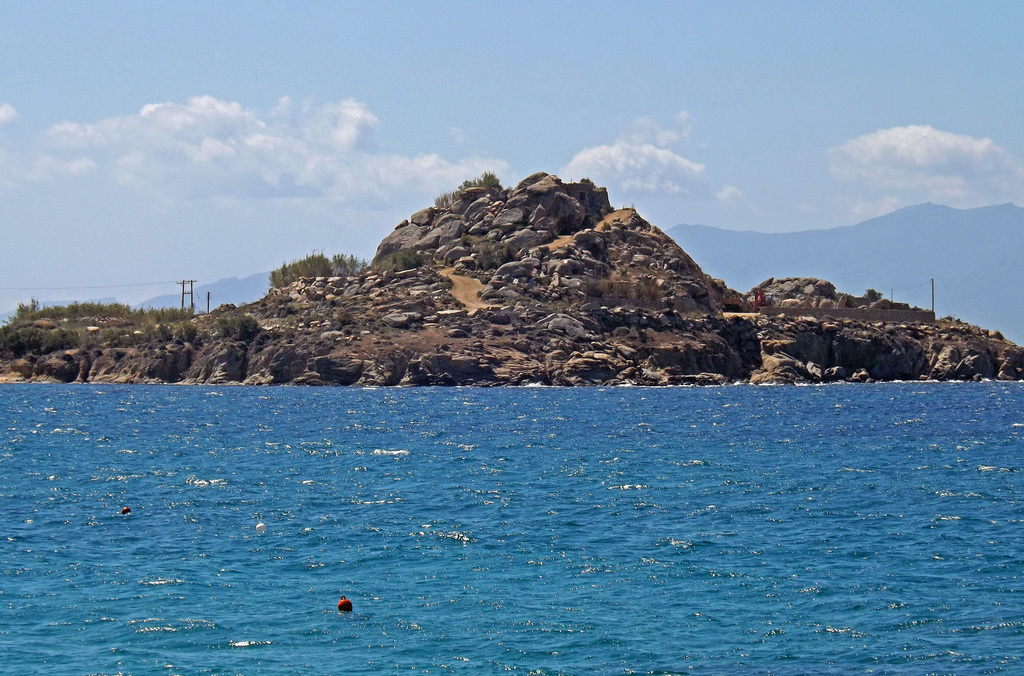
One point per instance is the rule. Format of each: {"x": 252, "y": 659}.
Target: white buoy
{"x": 261, "y": 528}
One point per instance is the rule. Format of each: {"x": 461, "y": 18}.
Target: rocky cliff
{"x": 544, "y": 283}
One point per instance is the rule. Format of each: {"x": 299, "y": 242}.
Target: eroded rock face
{"x": 220, "y": 363}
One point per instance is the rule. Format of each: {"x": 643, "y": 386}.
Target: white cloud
{"x": 641, "y": 161}
{"x": 45, "y": 167}
{"x": 210, "y": 148}
{"x": 7, "y": 113}
{"x": 639, "y": 168}
{"x": 685, "y": 122}
{"x": 729, "y": 193}
{"x": 644, "y": 131}
{"x": 922, "y": 161}
{"x": 863, "y": 209}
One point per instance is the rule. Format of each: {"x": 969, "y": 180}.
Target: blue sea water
{"x": 755, "y": 530}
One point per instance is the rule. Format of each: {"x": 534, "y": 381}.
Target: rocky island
{"x": 543, "y": 283}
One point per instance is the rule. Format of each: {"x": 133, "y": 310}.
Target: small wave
{"x": 458, "y": 536}
{"x": 155, "y": 624}
{"x": 248, "y": 644}
{"x": 158, "y": 581}
{"x": 993, "y": 468}
{"x": 908, "y": 422}
{"x": 685, "y": 544}
{"x": 978, "y": 628}
{"x": 858, "y": 471}
{"x": 203, "y": 483}
{"x": 628, "y": 487}
{"x": 381, "y": 451}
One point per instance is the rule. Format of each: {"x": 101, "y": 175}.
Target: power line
{"x": 911, "y": 288}
{"x": 78, "y": 288}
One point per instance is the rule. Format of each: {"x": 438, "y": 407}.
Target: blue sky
{"x": 147, "y": 142}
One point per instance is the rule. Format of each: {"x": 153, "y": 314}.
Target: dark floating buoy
{"x": 344, "y": 605}
{"x": 126, "y": 510}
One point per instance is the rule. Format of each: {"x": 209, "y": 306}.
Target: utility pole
{"x": 207, "y": 302}
{"x": 191, "y": 298}
{"x": 933, "y": 295}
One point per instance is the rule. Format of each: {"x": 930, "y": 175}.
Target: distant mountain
{"x": 230, "y": 290}
{"x": 974, "y": 255}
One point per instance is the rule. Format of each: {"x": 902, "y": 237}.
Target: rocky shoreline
{"x": 541, "y": 284}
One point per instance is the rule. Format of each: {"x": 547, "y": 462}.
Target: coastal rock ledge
{"x": 544, "y": 283}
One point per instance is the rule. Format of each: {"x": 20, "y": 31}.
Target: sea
{"x": 839, "y": 529}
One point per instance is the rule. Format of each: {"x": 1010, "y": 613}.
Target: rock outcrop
{"x": 544, "y": 283}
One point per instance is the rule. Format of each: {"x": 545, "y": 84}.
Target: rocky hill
{"x": 543, "y": 283}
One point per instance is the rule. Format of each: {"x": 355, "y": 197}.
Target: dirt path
{"x": 620, "y": 215}
{"x": 606, "y": 222}
{"x": 466, "y": 290}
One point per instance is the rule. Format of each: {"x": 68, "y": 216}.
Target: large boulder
{"x": 218, "y": 363}
{"x": 404, "y": 236}
{"x": 439, "y": 368}
{"x": 337, "y": 368}
{"x": 277, "y": 364}
{"x": 60, "y": 367}
{"x": 508, "y": 219}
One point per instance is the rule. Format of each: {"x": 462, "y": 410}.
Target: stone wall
{"x": 861, "y": 314}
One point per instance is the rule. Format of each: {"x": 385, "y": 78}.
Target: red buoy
{"x": 126, "y": 510}
{"x": 344, "y": 605}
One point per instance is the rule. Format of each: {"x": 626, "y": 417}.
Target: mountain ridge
{"x": 971, "y": 254}
{"x": 233, "y": 290}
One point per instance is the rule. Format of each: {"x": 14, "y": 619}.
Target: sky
{"x": 144, "y": 143}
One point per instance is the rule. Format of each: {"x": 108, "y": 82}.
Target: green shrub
{"x": 488, "y": 180}
{"x": 61, "y": 339}
{"x": 495, "y": 255}
{"x": 316, "y": 265}
{"x": 17, "y": 341}
{"x": 185, "y": 331}
{"x": 120, "y": 337}
{"x": 347, "y": 265}
{"x": 159, "y": 333}
{"x": 238, "y": 327}
{"x": 76, "y": 312}
{"x": 404, "y": 259}
{"x": 873, "y": 295}
{"x": 444, "y": 200}
{"x": 638, "y": 290}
